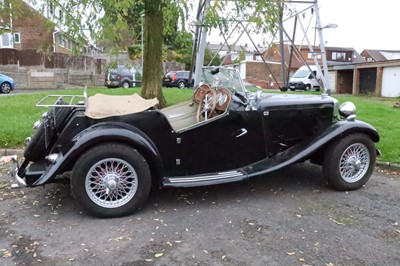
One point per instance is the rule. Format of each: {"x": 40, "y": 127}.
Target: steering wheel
{"x": 207, "y": 100}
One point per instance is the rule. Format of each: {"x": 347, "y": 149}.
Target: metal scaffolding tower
{"x": 298, "y": 10}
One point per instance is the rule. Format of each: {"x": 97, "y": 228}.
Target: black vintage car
{"x": 118, "y": 147}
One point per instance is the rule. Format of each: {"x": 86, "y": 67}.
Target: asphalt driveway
{"x": 287, "y": 218}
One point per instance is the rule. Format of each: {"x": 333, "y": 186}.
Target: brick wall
{"x": 35, "y": 31}
{"x": 260, "y": 70}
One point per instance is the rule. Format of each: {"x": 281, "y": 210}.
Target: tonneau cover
{"x": 101, "y": 105}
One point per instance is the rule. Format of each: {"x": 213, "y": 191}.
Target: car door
{"x": 234, "y": 140}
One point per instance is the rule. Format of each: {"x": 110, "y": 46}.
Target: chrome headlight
{"x": 347, "y": 109}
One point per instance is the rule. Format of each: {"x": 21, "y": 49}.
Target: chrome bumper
{"x": 18, "y": 181}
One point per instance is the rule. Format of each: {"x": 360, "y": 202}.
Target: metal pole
{"x": 323, "y": 52}
{"x": 202, "y": 47}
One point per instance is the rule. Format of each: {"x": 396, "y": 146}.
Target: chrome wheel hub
{"x": 111, "y": 183}
{"x": 354, "y": 163}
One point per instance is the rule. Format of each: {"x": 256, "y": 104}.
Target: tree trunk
{"x": 153, "y": 40}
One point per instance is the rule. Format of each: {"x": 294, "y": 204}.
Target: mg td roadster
{"x": 117, "y": 147}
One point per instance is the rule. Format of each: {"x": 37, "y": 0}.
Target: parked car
{"x": 178, "y": 79}
{"x": 120, "y": 77}
{"x": 304, "y": 79}
{"x": 7, "y": 84}
{"x": 117, "y": 147}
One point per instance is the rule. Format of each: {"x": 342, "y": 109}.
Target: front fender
{"x": 306, "y": 149}
{"x": 101, "y": 133}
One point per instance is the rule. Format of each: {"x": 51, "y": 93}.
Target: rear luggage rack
{"x": 64, "y": 100}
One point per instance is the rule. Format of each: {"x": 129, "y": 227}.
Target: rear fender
{"x": 101, "y": 133}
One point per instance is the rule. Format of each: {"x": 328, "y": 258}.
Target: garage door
{"x": 391, "y": 82}
{"x": 332, "y": 81}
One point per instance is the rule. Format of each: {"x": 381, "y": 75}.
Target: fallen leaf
{"x": 336, "y": 222}
{"x": 7, "y": 254}
{"x": 291, "y": 253}
{"x": 158, "y": 255}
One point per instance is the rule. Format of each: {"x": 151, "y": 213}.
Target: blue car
{"x": 7, "y": 84}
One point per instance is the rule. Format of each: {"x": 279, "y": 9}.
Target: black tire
{"x": 61, "y": 114}
{"x": 36, "y": 148}
{"x": 125, "y": 85}
{"x": 349, "y": 162}
{"x": 292, "y": 89}
{"x": 6, "y": 87}
{"x": 307, "y": 88}
{"x": 89, "y": 187}
{"x": 181, "y": 85}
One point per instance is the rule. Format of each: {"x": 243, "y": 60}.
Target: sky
{"x": 360, "y": 24}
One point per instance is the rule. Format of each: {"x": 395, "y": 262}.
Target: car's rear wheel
{"x": 307, "y": 88}
{"x": 349, "y": 162}
{"x": 6, "y": 87}
{"x": 125, "y": 84}
{"x": 111, "y": 180}
{"x": 181, "y": 85}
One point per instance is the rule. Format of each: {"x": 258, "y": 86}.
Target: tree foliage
{"x": 120, "y": 23}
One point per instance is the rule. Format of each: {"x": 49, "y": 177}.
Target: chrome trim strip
{"x": 200, "y": 178}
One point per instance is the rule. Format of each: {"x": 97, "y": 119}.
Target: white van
{"x": 303, "y": 79}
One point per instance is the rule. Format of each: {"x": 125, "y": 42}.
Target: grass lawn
{"x": 18, "y": 113}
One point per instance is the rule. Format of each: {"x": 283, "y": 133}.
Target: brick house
{"x": 233, "y": 53}
{"x": 30, "y": 29}
{"x": 268, "y": 75}
{"x": 371, "y": 55}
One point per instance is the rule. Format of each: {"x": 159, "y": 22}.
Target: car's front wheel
{"x": 5, "y": 87}
{"x": 349, "y": 162}
{"x": 111, "y": 180}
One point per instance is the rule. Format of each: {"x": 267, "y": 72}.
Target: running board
{"x": 204, "y": 180}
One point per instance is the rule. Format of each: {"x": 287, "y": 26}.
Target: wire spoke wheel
{"x": 354, "y": 162}
{"x": 349, "y": 162}
{"x": 111, "y": 183}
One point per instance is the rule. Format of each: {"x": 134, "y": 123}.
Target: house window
{"x": 17, "y": 37}
{"x": 249, "y": 57}
{"x": 339, "y": 56}
{"x": 61, "y": 40}
{"x": 6, "y": 41}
